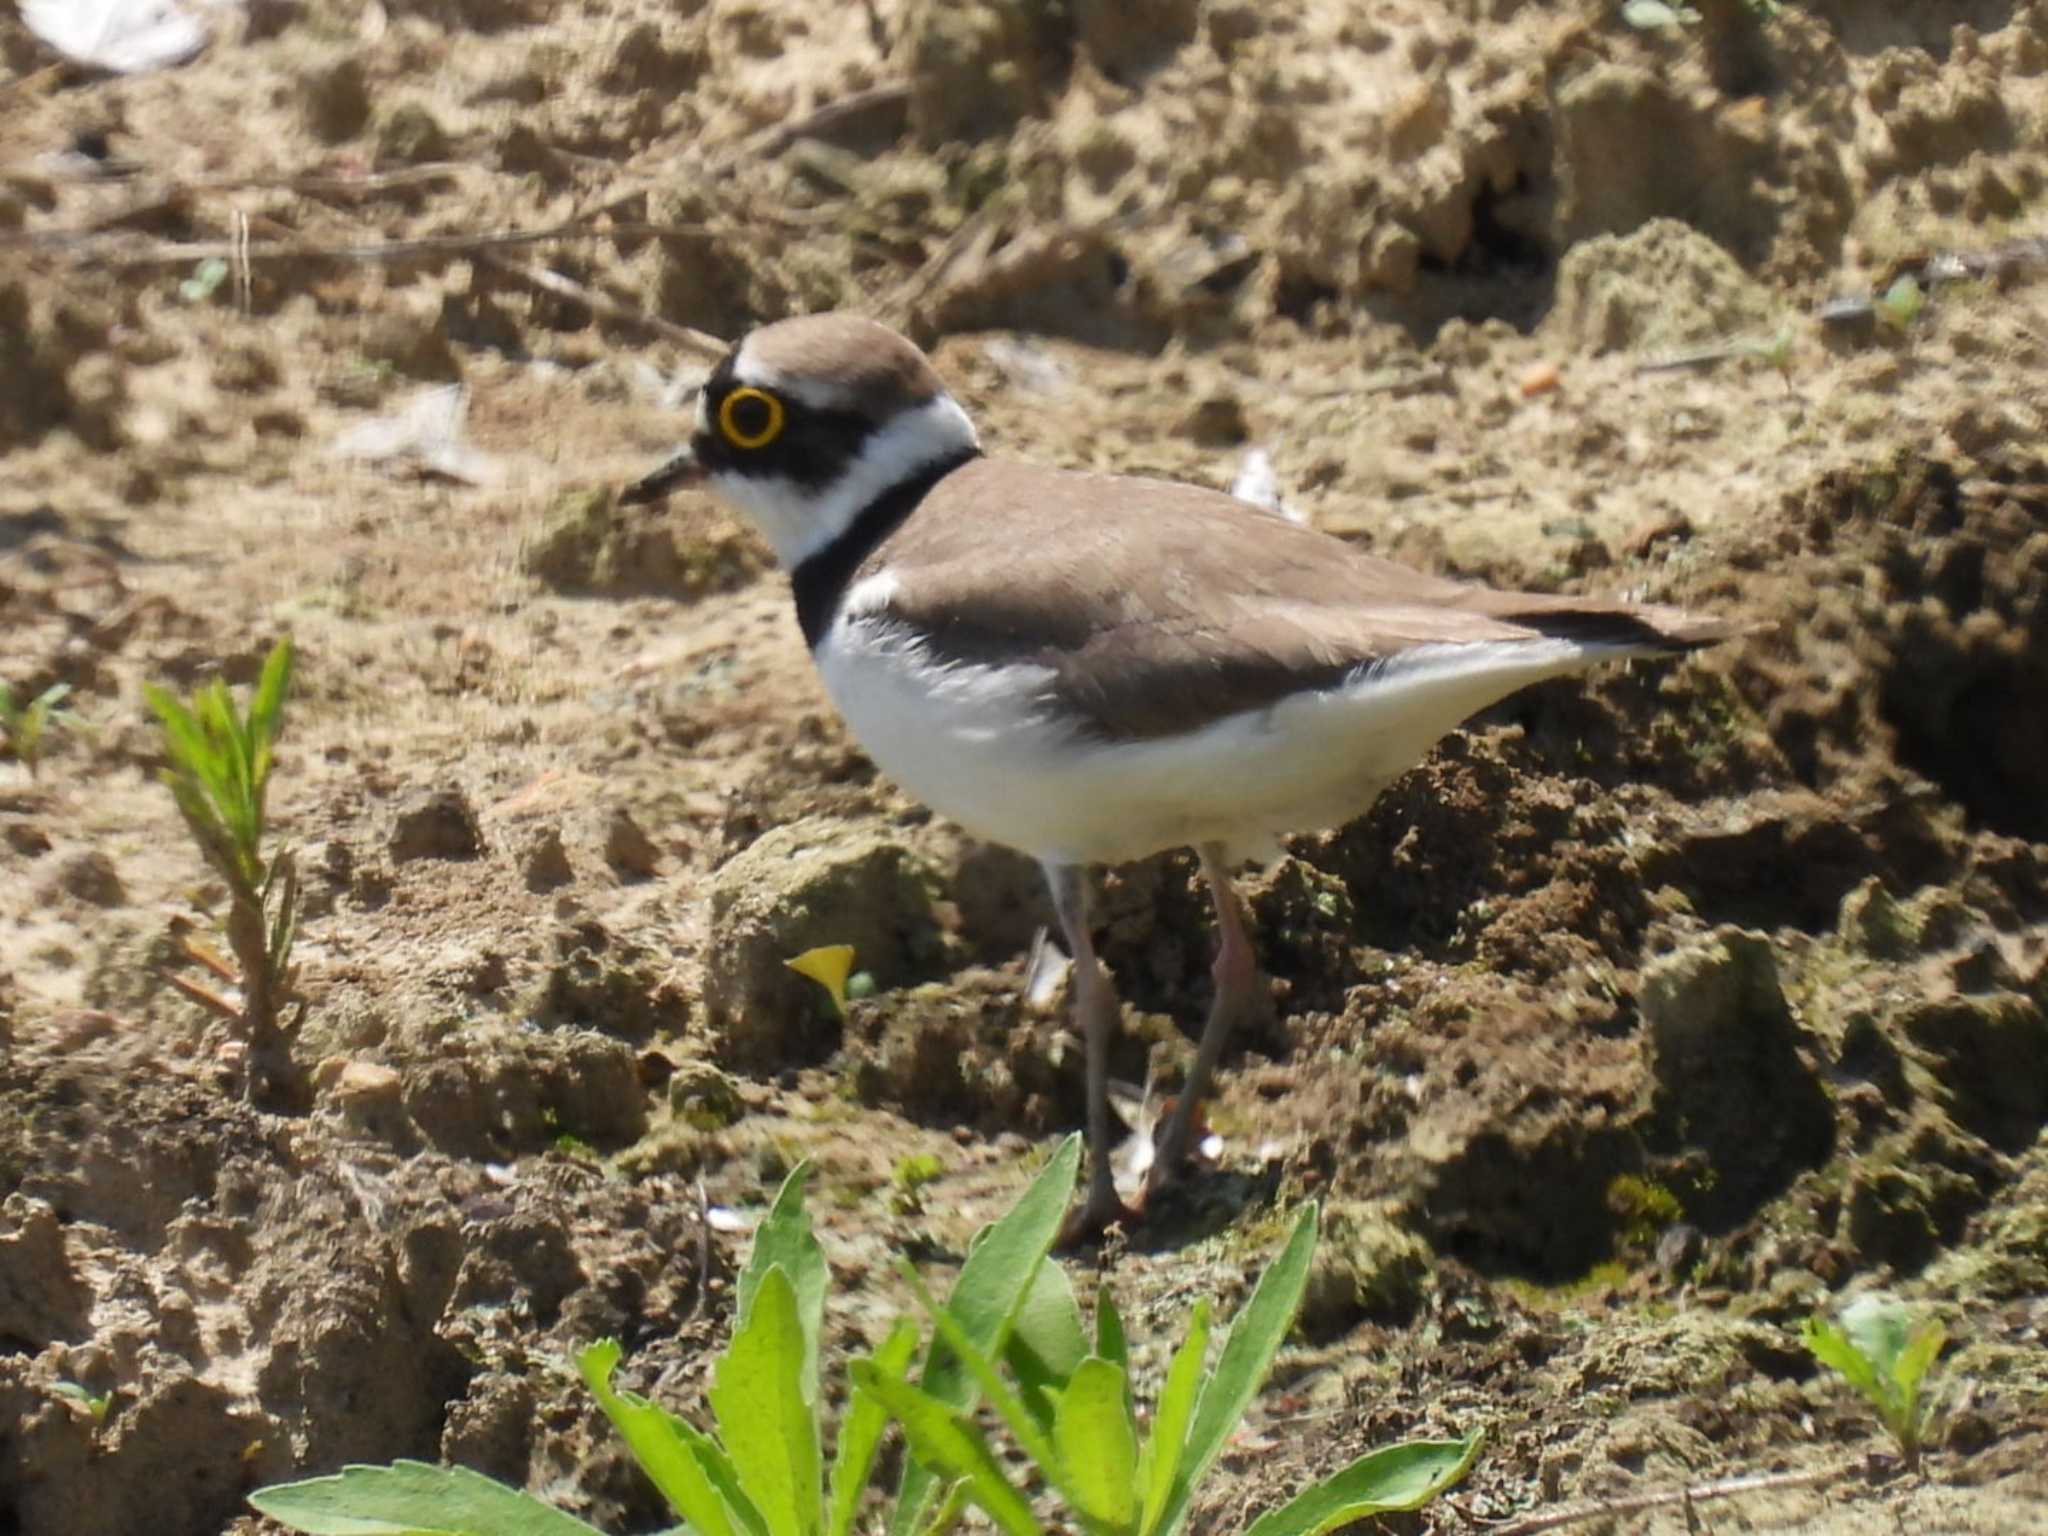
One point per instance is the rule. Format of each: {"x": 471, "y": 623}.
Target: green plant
{"x": 1885, "y": 1351}
{"x": 1072, "y": 1414}
{"x": 22, "y": 725}
{"x": 94, "y": 1403}
{"x": 760, "y": 1470}
{"x": 1901, "y": 304}
{"x": 907, "y": 1181}
{"x": 219, "y": 775}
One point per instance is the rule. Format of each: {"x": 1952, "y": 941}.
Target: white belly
{"x": 979, "y": 745}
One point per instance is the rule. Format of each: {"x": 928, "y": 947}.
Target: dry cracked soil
{"x": 1651, "y": 1015}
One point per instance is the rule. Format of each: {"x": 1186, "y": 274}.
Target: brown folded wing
{"x": 1160, "y": 612}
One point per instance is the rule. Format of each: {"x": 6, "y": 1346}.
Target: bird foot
{"x": 1092, "y": 1219}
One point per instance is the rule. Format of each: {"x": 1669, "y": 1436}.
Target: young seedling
{"x": 95, "y": 1404}
{"x": 760, "y": 1470}
{"x": 1886, "y": 1353}
{"x": 219, "y": 774}
{"x": 1072, "y": 1414}
{"x": 22, "y": 726}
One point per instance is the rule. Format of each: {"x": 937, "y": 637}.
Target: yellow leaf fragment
{"x": 829, "y": 965}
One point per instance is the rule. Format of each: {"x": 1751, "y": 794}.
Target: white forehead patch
{"x": 747, "y": 369}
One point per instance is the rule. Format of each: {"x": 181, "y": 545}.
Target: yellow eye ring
{"x": 765, "y": 433}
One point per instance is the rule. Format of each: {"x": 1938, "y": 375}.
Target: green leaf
{"x": 1000, "y": 1268}
{"x": 943, "y": 1438}
{"x": 1919, "y": 1353}
{"x": 1255, "y": 1337}
{"x": 1046, "y": 1341}
{"x": 860, "y": 1431}
{"x": 766, "y": 1425}
{"x": 1832, "y": 1347}
{"x": 1396, "y": 1477}
{"x": 1035, "y": 1441}
{"x": 1098, "y": 1444}
{"x": 1110, "y": 1340}
{"x": 950, "y": 1509}
{"x": 652, "y": 1434}
{"x": 785, "y": 1240}
{"x": 266, "y": 709}
{"x": 411, "y": 1498}
{"x": 1160, "y": 1465}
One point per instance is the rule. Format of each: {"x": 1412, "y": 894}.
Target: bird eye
{"x": 750, "y": 418}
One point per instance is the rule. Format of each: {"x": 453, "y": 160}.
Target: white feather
{"x": 983, "y": 746}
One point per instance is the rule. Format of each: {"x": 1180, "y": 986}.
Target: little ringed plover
{"x": 1094, "y": 668}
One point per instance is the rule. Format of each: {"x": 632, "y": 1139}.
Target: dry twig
{"x": 597, "y": 303}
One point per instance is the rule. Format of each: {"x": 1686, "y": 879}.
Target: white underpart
{"x": 799, "y": 520}
{"x": 980, "y": 745}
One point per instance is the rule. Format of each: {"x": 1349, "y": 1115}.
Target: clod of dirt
{"x": 589, "y": 545}
{"x": 627, "y": 848}
{"x": 335, "y": 100}
{"x": 1737, "y": 1100}
{"x": 436, "y": 824}
{"x": 619, "y": 988}
{"x": 1663, "y": 285}
{"x": 1990, "y": 1051}
{"x": 811, "y": 883}
{"x": 90, "y": 876}
{"x": 41, "y": 1296}
{"x": 367, "y": 1094}
{"x": 410, "y": 135}
{"x": 963, "y": 1052}
{"x": 33, "y": 395}
{"x": 526, "y": 1090}
{"x": 977, "y": 68}
{"x": 1366, "y": 1265}
{"x": 545, "y": 864}
{"x": 1124, "y": 36}
{"x": 1216, "y": 421}
{"x": 704, "y": 1098}
{"x": 1633, "y": 144}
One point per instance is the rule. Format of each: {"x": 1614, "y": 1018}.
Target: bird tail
{"x": 1653, "y": 629}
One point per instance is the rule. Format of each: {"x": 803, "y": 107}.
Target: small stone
{"x": 437, "y": 824}
{"x": 1539, "y": 379}
{"x": 545, "y": 863}
{"x": 627, "y": 847}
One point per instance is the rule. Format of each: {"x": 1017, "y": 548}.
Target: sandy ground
{"x": 1649, "y": 1016}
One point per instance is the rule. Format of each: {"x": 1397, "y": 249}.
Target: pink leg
{"x": 1095, "y": 1010}
{"x": 1235, "y": 971}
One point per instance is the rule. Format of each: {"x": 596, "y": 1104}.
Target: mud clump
{"x": 436, "y": 824}
{"x": 1662, "y": 285}
{"x": 527, "y": 1093}
{"x": 603, "y": 983}
{"x": 34, "y": 395}
{"x": 811, "y": 883}
{"x": 591, "y": 546}
{"x": 1737, "y": 1105}
{"x": 977, "y": 69}
{"x": 41, "y": 1297}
